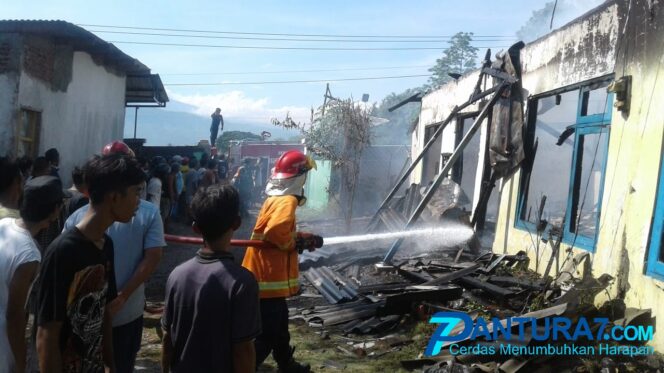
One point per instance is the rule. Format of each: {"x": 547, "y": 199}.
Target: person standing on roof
{"x": 217, "y": 120}
{"x": 276, "y": 269}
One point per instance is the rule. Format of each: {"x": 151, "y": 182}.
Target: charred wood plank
{"x": 449, "y": 277}
{"x": 494, "y": 290}
{"x": 379, "y": 288}
{"x": 513, "y": 281}
{"x": 401, "y": 303}
{"x": 417, "y": 276}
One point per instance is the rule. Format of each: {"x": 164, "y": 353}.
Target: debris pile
{"x": 354, "y": 298}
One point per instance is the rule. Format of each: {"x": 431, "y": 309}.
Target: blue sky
{"x": 259, "y": 102}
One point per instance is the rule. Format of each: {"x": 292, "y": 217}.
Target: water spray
{"x": 450, "y": 236}
{"x": 444, "y": 236}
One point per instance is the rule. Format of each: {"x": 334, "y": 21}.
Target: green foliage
{"x": 460, "y": 57}
{"x": 226, "y": 137}
{"x": 340, "y": 131}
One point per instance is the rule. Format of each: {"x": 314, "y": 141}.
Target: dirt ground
{"x": 324, "y": 351}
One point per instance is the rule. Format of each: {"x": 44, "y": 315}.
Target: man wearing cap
{"x": 19, "y": 261}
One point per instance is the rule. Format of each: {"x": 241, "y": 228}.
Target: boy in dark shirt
{"x": 77, "y": 279}
{"x": 211, "y": 314}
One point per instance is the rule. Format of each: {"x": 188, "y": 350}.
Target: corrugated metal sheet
{"x": 334, "y": 287}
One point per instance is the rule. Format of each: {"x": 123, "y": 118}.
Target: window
{"x": 431, "y": 162}
{"x": 568, "y": 133}
{"x": 465, "y": 168}
{"x": 656, "y": 250}
{"x": 27, "y": 139}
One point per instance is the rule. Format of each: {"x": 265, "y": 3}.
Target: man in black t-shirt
{"x": 77, "y": 279}
{"x": 211, "y": 313}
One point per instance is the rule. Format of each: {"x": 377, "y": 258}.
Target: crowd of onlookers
{"x": 172, "y": 182}
{"x": 62, "y": 296}
{"x": 59, "y": 248}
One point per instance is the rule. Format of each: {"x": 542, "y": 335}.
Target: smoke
{"x": 566, "y": 10}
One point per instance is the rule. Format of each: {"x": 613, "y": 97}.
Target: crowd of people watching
{"x": 73, "y": 262}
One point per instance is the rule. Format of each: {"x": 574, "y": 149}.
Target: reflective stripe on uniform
{"x": 278, "y": 285}
{"x": 257, "y": 236}
{"x": 287, "y": 246}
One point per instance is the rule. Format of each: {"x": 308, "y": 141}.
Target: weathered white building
{"x": 63, "y": 87}
{"x": 593, "y": 173}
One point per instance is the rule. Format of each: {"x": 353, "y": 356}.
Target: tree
{"x": 460, "y": 57}
{"x": 340, "y": 132}
{"x": 223, "y": 141}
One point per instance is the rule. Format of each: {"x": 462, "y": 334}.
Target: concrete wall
{"x": 614, "y": 38}
{"x": 80, "y": 120}
{"x": 581, "y": 51}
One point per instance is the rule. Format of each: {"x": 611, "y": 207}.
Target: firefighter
{"x": 276, "y": 270}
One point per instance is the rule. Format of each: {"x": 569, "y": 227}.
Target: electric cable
{"x": 289, "y": 48}
{"x": 300, "y": 71}
{"x": 286, "y": 39}
{"x": 300, "y": 81}
{"x": 287, "y": 34}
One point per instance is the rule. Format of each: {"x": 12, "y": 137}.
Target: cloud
{"x": 236, "y": 104}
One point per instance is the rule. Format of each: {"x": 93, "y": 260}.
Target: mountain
{"x": 171, "y": 127}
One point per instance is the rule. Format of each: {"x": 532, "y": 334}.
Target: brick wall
{"x": 38, "y": 59}
{"x": 5, "y": 57}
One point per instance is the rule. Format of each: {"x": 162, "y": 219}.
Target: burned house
{"x": 63, "y": 87}
{"x": 590, "y": 186}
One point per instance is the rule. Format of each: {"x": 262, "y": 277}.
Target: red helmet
{"x": 185, "y": 161}
{"x": 292, "y": 163}
{"x": 117, "y": 147}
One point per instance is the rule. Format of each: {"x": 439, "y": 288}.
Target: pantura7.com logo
{"x": 458, "y": 326}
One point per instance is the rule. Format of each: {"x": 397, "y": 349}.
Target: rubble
{"x": 353, "y": 298}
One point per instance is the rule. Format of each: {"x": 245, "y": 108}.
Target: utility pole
{"x": 135, "y": 120}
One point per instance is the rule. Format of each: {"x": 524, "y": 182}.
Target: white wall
{"x": 81, "y": 120}
{"x": 579, "y": 51}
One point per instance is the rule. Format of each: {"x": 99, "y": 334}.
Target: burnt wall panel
{"x": 39, "y": 58}
{"x": 10, "y": 52}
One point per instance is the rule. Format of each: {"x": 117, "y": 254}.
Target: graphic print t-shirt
{"x": 76, "y": 282}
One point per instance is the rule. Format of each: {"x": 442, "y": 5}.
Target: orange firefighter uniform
{"x": 276, "y": 270}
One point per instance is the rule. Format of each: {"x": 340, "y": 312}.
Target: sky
{"x": 496, "y": 22}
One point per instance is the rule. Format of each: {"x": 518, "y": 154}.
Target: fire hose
{"x": 199, "y": 241}
{"x": 304, "y": 241}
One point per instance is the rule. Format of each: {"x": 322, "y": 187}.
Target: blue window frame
{"x": 655, "y": 265}
{"x": 562, "y": 179}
